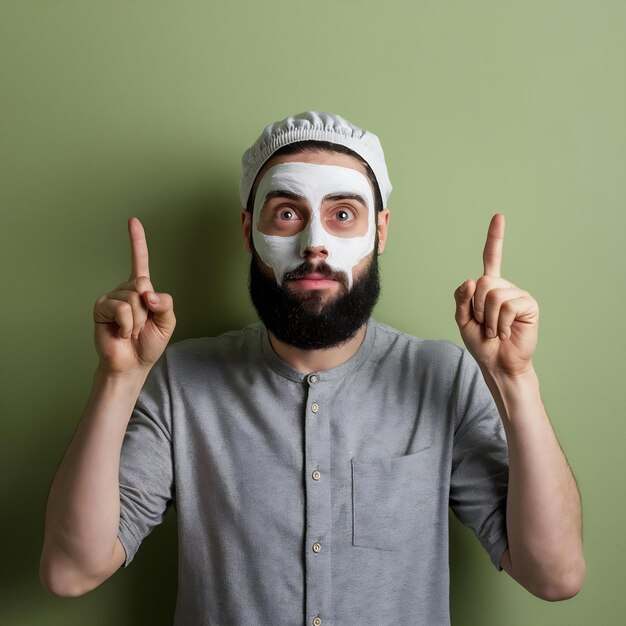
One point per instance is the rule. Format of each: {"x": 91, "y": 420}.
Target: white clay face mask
{"x": 313, "y": 183}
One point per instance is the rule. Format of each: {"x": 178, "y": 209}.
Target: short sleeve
{"x": 479, "y": 479}
{"x": 146, "y": 464}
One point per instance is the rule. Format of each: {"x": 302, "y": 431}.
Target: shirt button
{"x": 315, "y": 407}
{"x": 316, "y": 475}
{"x": 317, "y": 547}
{"x": 313, "y": 378}
{"x": 317, "y": 621}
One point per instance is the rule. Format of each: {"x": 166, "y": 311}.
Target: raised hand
{"x": 498, "y": 321}
{"x": 133, "y": 324}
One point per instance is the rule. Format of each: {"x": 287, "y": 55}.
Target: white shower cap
{"x": 317, "y": 126}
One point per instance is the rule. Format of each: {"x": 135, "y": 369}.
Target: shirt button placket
{"x": 318, "y": 517}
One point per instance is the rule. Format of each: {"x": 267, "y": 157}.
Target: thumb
{"x": 463, "y": 297}
{"x": 162, "y": 307}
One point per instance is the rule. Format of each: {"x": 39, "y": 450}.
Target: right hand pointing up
{"x": 133, "y": 324}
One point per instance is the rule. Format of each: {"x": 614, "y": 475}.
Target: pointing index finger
{"x": 492, "y": 253}
{"x": 138, "y": 249}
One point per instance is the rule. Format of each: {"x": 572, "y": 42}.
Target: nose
{"x": 312, "y": 241}
{"x": 311, "y": 253}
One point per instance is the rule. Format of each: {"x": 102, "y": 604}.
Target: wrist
{"x": 515, "y": 394}
{"x": 518, "y": 378}
{"x": 130, "y": 381}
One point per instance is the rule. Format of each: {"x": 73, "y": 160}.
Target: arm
{"x": 544, "y": 524}
{"x": 132, "y": 328}
{"x": 499, "y": 325}
{"x": 81, "y": 548}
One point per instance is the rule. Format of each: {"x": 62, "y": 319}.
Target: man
{"x": 312, "y": 457}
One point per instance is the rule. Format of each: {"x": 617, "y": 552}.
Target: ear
{"x": 382, "y": 223}
{"x": 246, "y": 225}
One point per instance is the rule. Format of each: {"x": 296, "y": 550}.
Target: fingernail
{"x": 153, "y": 298}
{"x": 490, "y": 334}
{"x": 502, "y": 336}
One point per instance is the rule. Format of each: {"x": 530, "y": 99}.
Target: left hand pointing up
{"x": 498, "y": 321}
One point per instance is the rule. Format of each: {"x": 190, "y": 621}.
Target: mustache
{"x": 320, "y": 268}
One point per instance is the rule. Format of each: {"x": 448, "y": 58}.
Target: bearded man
{"x": 313, "y": 457}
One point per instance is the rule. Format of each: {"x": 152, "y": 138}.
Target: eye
{"x": 342, "y": 215}
{"x": 287, "y": 215}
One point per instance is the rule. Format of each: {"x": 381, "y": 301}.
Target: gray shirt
{"x": 314, "y": 499}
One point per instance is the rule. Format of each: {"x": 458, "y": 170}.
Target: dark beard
{"x": 304, "y": 320}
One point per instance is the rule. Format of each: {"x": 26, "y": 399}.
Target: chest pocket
{"x": 393, "y": 499}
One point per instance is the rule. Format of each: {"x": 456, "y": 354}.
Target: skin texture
{"x": 133, "y": 325}
{"x": 316, "y": 205}
{"x": 316, "y": 360}
{"x": 498, "y": 323}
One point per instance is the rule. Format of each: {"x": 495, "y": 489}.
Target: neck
{"x": 307, "y": 361}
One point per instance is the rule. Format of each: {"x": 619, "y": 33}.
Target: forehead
{"x": 317, "y": 157}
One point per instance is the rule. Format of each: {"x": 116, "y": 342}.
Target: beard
{"x": 310, "y": 320}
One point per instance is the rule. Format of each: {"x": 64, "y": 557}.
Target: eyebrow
{"x": 346, "y": 196}
{"x": 282, "y": 193}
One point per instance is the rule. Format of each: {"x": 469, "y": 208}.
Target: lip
{"x": 313, "y": 281}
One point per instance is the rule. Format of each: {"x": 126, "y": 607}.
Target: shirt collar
{"x": 284, "y": 369}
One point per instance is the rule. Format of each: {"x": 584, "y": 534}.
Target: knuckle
{"x": 494, "y": 297}
{"x": 142, "y": 283}
{"x": 508, "y": 307}
{"x": 123, "y": 286}
{"x": 483, "y": 283}
{"x": 133, "y": 299}
{"x": 100, "y": 300}
{"x": 122, "y": 308}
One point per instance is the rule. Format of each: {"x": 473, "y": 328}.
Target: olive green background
{"x": 112, "y": 109}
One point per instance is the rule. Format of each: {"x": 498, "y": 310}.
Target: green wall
{"x": 109, "y": 109}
